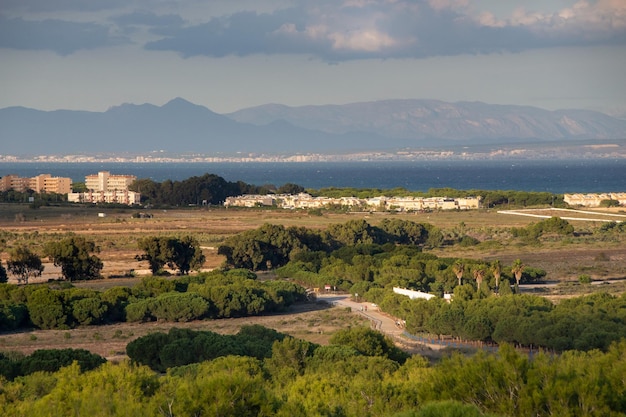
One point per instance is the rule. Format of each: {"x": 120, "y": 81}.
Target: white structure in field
{"x": 306, "y": 201}
{"x": 412, "y": 294}
{"x": 106, "y": 188}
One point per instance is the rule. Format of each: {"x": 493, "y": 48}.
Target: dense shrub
{"x": 47, "y": 309}
{"x": 12, "y": 316}
{"x": 90, "y": 310}
{"x": 180, "y": 347}
{"x": 47, "y": 360}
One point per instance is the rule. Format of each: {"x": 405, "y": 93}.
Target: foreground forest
{"x": 353, "y": 376}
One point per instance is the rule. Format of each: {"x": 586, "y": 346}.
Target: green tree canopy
{"x": 73, "y": 255}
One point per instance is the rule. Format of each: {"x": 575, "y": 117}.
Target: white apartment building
{"x": 104, "y": 181}
{"x": 106, "y": 188}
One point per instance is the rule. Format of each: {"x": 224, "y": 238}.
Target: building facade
{"x": 593, "y": 200}
{"x": 306, "y": 201}
{"x": 43, "y": 183}
{"x": 104, "y": 181}
{"x": 106, "y": 188}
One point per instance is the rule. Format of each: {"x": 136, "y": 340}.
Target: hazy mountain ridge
{"x": 421, "y": 119}
{"x": 180, "y": 126}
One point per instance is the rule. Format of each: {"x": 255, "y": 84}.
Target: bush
{"x": 12, "y": 316}
{"x": 47, "y": 310}
{"x": 138, "y": 311}
{"x": 178, "y": 307}
{"x": 89, "y": 311}
{"x": 51, "y": 360}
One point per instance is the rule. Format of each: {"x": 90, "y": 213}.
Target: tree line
{"x": 76, "y": 257}
{"x": 206, "y": 189}
{"x": 218, "y": 294}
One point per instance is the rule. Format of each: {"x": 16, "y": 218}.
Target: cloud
{"x": 147, "y": 18}
{"x": 61, "y": 5}
{"x": 354, "y": 29}
{"x": 329, "y": 30}
{"x": 59, "y": 36}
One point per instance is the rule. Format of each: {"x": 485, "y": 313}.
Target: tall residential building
{"x": 104, "y": 181}
{"x": 106, "y": 188}
{"x": 41, "y": 183}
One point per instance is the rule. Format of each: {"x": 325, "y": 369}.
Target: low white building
{"x": 593, "y": 200}
{"x": 306, "y": 201}
{"x": 412, "y": 294}
{"x": 118, "y": 196}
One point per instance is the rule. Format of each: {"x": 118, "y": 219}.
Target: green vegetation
{"x": 46, "y": 360}
{"x": 288, "y": 376}
{"x": 73, "y": 255}
{"x": 207, "y": 189}
{"x": 182, "y": 254}
{"x": 218, "y": 294}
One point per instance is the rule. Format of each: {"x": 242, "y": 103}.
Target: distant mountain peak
{"x": 179, "y": 101}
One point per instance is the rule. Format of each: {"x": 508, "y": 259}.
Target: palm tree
{"x": 458, "y": 268}
{"x": 496, "y": 269}
{"x": 516, "y": 269}
{"x": 479, "y": 274}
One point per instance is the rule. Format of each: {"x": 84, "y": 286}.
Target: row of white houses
{"x": 593, "y": 200}
{"x": 306, "y": 201}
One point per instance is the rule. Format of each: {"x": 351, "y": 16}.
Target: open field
{"x": 315, "y": 322}
{"x": 564, "y": 259}
{"x": 117, "y": 233}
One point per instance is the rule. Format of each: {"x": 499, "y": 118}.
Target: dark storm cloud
{"x": 59, "y": 36}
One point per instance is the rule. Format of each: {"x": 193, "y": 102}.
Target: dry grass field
{"x": 117, "y": 232}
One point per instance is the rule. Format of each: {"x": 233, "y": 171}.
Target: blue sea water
{"x": 555, "y": 176}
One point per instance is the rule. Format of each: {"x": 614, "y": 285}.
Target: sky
{"x": 233, "y": 54}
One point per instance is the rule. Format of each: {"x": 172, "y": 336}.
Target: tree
{"x": 479, "y": 275}
{"x": 496, "y": 269}
{"x": 185, "y": 254}
{"x": 517, "y": 269}
{"x": 290, "y": 188}
{"x": 155, "y": 252}
{"x": 3, "y": 273}
{"x": 24, "y": 264}
{"x": 73, "y": 256}
{"x": 458, "y": 268}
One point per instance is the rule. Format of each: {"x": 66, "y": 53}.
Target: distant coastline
{"x": 583, "y": 150}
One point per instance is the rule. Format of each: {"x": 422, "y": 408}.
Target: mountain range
{"x": 182, "y": 127}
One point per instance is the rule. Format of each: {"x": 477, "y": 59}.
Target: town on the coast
{"x": 105, "y": 187}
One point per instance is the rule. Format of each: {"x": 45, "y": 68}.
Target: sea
{"x": 554, "y": 176}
